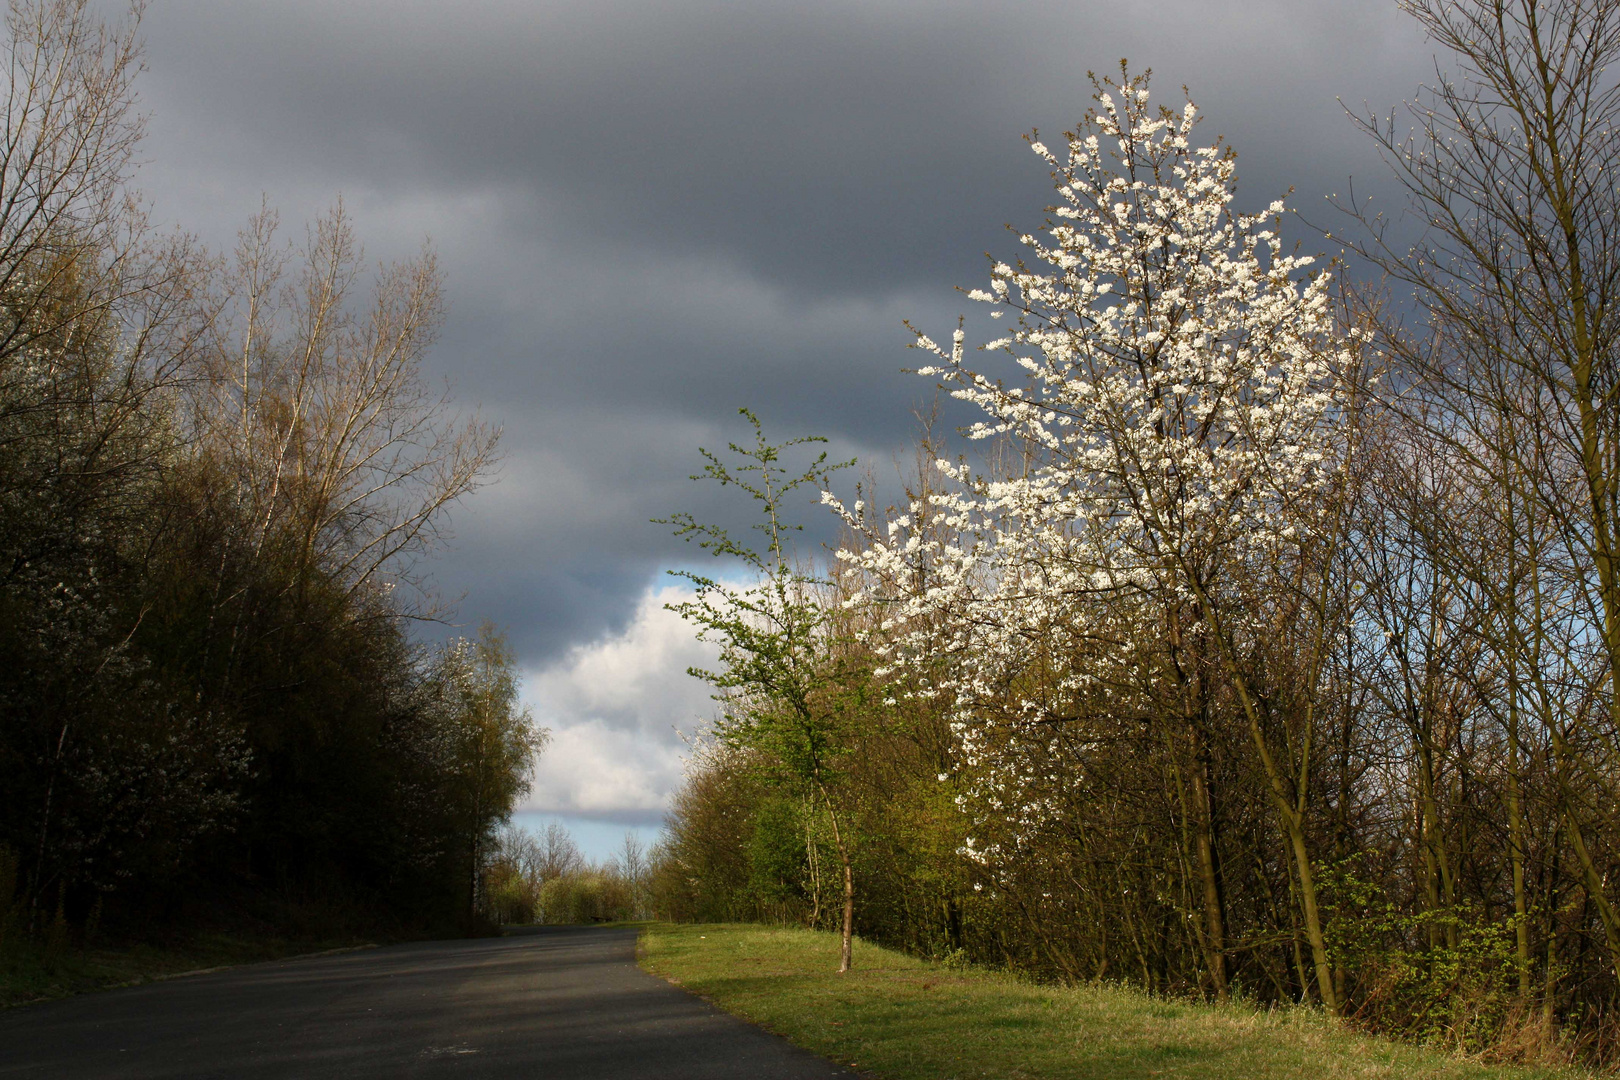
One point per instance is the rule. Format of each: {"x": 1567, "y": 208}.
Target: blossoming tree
{"x": 1180, "y": 418}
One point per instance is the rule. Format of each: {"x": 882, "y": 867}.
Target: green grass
{"x": 28, "y": 973}
{"x": 898, "y": 1018}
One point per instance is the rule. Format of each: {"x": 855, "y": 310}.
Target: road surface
{"x": 553, "y": 1005}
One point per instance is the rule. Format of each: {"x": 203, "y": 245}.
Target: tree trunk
{"x": 1515, "y": 809}
{"x": 1313, "y": 917}
{"x": 814, "y": 861}
{"x": 1209, "y": 876}
{"x": 1292, "y": 816}
{"x": 847, "y": 943}
{"x": 847, "y": 936}
{"x": 1201, "y": 813}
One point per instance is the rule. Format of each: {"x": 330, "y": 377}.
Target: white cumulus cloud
{"x": 616, "y": 708}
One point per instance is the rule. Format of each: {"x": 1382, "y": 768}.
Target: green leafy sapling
{"x": 782, "y": 676}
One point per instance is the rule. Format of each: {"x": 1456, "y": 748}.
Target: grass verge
{"x": 29, "y": 973}
{"x": 899, "y": 1018}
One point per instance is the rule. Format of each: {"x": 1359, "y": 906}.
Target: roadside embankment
{"x": 895, "y": 1017}
{"x": 30, "y": 973}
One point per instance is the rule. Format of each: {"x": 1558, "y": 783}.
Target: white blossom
{"x": 1176, "y": 389}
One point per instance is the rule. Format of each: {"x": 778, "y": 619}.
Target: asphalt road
{"x": 554, "y": 1005}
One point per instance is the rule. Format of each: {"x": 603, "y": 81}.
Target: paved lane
{"x": 553, "y": 1005}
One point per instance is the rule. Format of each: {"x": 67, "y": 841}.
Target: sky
{"x": 653, "y": 212}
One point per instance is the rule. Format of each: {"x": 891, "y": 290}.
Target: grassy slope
{"x": 898, "y": 1018}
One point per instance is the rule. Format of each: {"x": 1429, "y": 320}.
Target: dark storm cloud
{"x": 831, "y": 146}
{"x": 654, "y": 212}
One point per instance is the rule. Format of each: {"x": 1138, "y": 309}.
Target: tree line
{"x": 543, "y": 878}
{"x": 219, "y": 478}
{"x": 1268, "y": 643}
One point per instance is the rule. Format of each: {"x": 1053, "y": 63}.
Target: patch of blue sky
{"x": 599, "y": 839}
